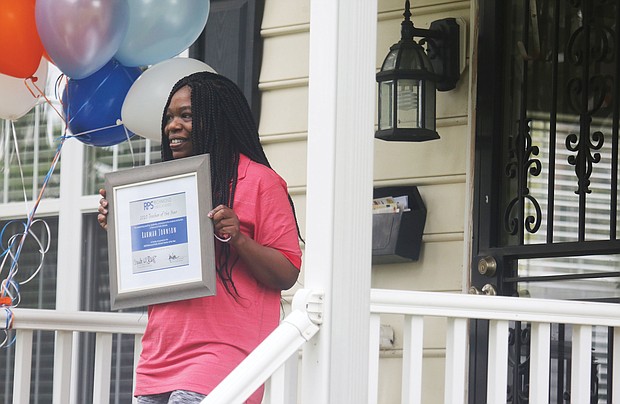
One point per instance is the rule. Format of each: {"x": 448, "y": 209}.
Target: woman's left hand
{"x": 268, "y": 265}
{"x": 225, "y": 223}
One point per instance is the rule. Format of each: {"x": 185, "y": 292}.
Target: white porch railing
{"x": 66, "y": 325}
{"x": 459, "y": 308}
{"x": 275, "y": 361}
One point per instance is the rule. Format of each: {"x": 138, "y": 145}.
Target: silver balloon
{"x": 81, "y": 36}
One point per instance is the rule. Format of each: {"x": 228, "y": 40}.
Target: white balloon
{"x": 145, "y": 101}
{"x": 18, "y": 96}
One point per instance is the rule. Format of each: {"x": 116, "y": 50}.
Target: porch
{"x": 276, "y": 362}
{"x": 336, "y": 363}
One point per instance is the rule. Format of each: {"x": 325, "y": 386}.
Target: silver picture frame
{"x": 160, "y": 240}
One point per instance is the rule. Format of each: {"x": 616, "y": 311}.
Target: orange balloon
{"x": 20, "y": 46}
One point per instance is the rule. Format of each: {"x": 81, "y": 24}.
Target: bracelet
{"x": 223, "y": 240}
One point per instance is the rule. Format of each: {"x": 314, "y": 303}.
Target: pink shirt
{"x": 193, "y": 344}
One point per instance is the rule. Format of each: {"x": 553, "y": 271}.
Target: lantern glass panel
{"x": 408, "y": 99}
{"x": 413, "y": 57}
{"x": 428, "y": 95}
{"x": 390, "y": 60}
{"x": 386, "y": 97}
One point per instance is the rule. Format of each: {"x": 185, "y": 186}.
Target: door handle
{"x": 488, "y": 290}
{"x": 474, "y": 291}
{"x": 487, "y": 266}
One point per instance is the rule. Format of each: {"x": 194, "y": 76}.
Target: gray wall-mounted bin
{"x": 397, "y": 237}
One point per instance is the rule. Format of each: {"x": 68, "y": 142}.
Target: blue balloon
{"x": 92, "y": 105}
{"x": 159, "y": 30}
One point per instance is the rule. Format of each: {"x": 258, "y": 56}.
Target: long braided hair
{"x": 223, "y": 126}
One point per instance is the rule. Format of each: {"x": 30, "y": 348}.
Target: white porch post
{"x": 70, "y": 227}
{"x": 338, "y": 213}
{"x": 68, "y": 275}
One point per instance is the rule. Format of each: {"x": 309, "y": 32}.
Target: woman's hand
{"x": 225, "y": 223}
{"x": 102, "y": 217}
{"x": 267, "y": 264}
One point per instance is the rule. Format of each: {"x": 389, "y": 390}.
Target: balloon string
{"x": 13, "y": 269}
{"x": 42, "y": 250}
{"x": 59, "y": 79}
{"x": 41, "y": 94}
{"x": 33, "y": 80}
{"x": 19, "y": 163}
{"x": 9, "y": 289}
{"x": 133, "y": 157}
{"x": 95, "y": 130}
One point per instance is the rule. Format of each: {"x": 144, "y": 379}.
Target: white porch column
{"x": 70, "y": 227}
{"x": 69, "y": 263}
{"x": 338, "y": 213}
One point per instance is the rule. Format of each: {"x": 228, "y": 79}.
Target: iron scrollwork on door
{"x": 521, "y": 163}
{"x": 586, "y": 47}
{"x": 589, "y": 92}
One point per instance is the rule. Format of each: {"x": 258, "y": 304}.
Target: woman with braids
{"x": 191, "y": 345}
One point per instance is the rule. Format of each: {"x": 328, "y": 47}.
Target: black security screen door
{"x": 546, "y": 207}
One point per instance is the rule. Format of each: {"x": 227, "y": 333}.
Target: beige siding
{"x": 439, "y": 268}
{"x": 443, "y": 204}
{"x": 284, "y": 13}
{"x": 284, "y": 110}
{"x": 439, "y": 168}
{"x": 289, "y": 160}
{"x": 399, "y": 160}
{"x": 285, "y": 54}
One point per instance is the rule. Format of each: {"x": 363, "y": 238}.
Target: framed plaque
{"x": 160, "y": 240}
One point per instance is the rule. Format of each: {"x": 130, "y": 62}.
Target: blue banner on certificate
{"x": 159, "y": 233}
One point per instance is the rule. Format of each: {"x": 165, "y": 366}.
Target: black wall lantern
{"x": 409, "y": 78}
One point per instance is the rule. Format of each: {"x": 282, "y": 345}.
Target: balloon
{"x": 47, "y": 56}
{"x": 144, "y": 105}
{"x": 20, "y": 46}
{"x": 18, "y": 95}
{"x": 93, "y": 104}
{"x": 81, "y": 36}
{"x": 159, "y": 30}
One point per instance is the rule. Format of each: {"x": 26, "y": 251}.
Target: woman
{"x": 191, "y": 345}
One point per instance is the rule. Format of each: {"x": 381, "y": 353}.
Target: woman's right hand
{"x": 102, "y": 217}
